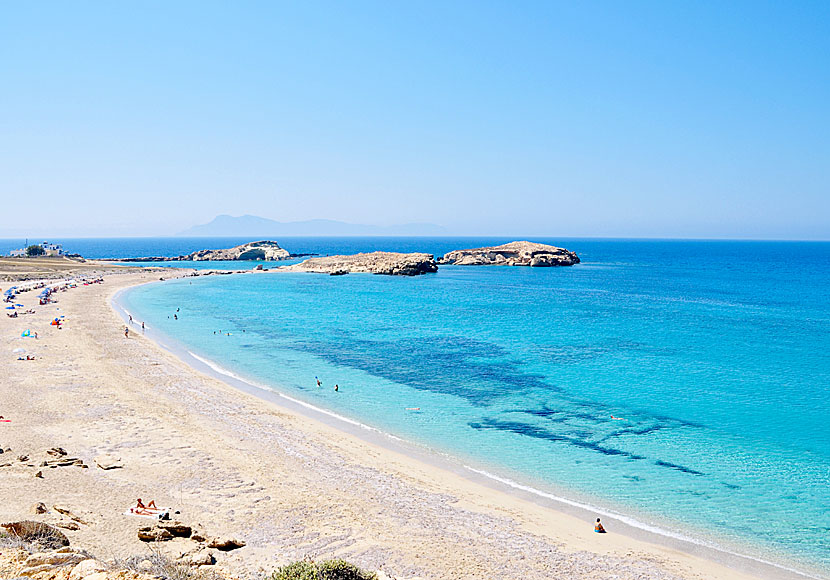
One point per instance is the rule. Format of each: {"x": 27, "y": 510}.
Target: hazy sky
{"x": 670, "y": 119}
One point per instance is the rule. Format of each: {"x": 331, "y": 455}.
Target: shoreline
{"x": 234, "y": 463}
{"x": 626, "y": 525}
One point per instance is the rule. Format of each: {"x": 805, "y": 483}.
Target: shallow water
{"x": 714, "y": 357}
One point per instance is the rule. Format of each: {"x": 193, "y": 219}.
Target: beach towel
{"x": 150, "y": 513}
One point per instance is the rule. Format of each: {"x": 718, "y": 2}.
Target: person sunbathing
{"x": 150, "y": 505}
{"x": 145, "y": 510}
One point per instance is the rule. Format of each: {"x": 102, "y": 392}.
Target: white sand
{"x": 234, "y": 464}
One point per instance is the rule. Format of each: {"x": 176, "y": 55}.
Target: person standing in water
{"x": 142, "y": 327}
{"x": 336, "y": 388}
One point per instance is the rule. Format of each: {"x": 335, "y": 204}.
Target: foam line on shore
{"x": 222, "y": 371}
{"x": 633, "y": 522}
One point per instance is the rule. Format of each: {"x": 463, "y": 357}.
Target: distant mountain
{"x": 260, "y": 227}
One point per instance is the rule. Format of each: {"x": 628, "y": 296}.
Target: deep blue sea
{"x": 713, "y": 357}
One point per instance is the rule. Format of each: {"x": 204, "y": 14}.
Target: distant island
{"x": 388, "y": 263}
{"x": 251, "y": 225}
{"x": 520, "y": 253}
{"x": 512, "y": 254}
{"x": 262, "y": 250}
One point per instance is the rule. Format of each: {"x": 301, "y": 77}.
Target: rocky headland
{"x": 388, "y": 263}
{"x": 261, "y": 250}
{"x": 512, "y": 254}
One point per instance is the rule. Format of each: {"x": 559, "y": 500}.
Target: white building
{"x": 48, "y": 249}
{"x": 52, "y": 249}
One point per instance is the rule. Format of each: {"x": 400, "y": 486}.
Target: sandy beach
{"x": 289, "y": 485}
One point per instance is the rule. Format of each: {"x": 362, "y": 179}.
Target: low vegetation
{"x": 327, "y": 570}
{"x": 162, "y": 567}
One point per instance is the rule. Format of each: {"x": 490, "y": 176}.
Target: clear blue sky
{"x": 668, "y": 119}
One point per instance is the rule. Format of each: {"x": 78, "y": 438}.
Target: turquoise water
{"x": 714, "y": 355}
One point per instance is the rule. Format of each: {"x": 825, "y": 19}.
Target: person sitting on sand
{"x": 598, "y": 527}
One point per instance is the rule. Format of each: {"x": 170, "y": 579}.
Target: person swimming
{"x": 599, "y": 528}
{"x": 336, "y": 387}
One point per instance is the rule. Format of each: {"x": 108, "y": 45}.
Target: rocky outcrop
{"x": 512, "y": 254}
{"x": 389, "y": 263}
{"x": 261, "y": 250}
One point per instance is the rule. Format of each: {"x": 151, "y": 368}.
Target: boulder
{"x": 154, "y": 534}
{"x": 107, "y": 462}
{"x": 44, "y": 534}
{"x": 201, "y": 558}
{"x": 225, "y": 544}
{"x": 35, "y": 570}
{"x": 63, "y": 462}
{"x": 39, "y": 508}
{"x": 85, "y": 569}
{"x": 176, "y": 528}
{"x": 53, "y": 559}
{"x": 68, "y": 526}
